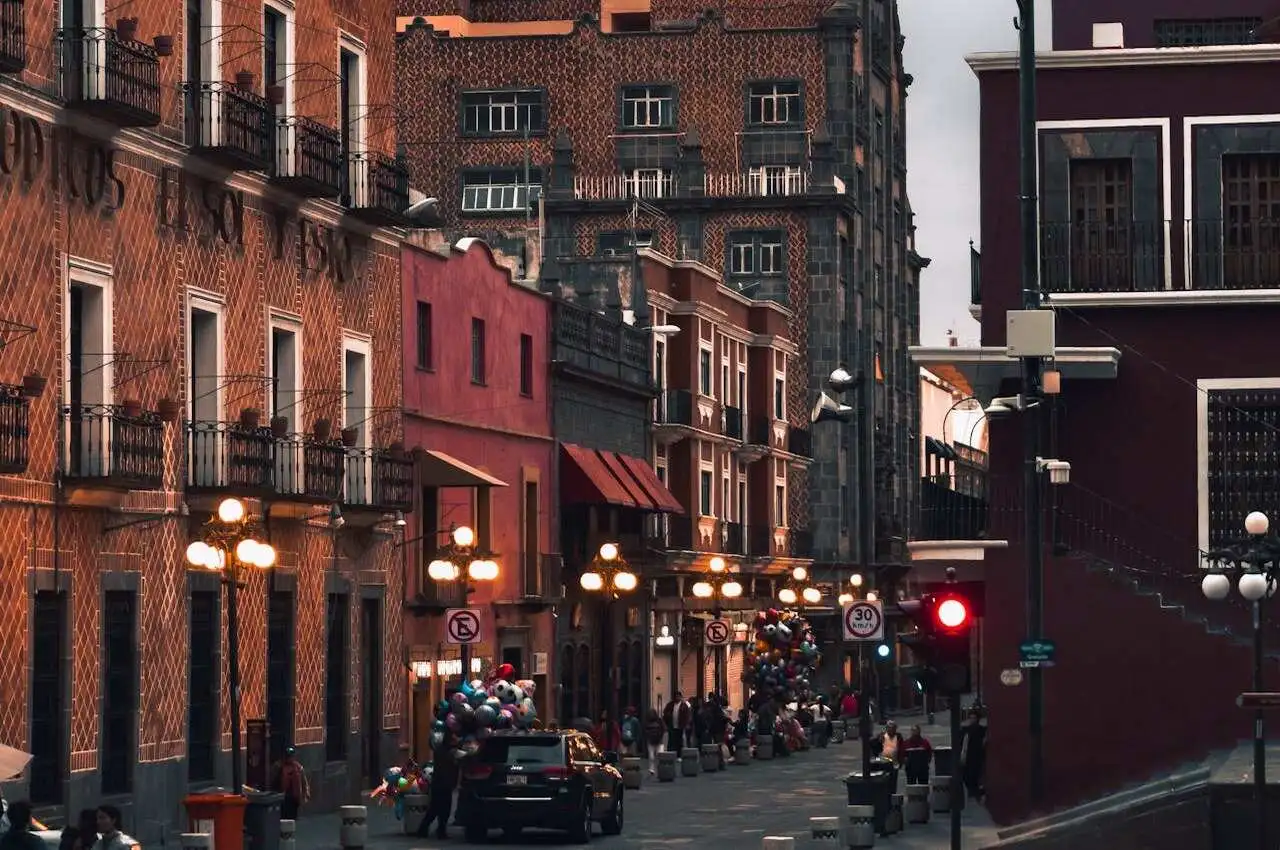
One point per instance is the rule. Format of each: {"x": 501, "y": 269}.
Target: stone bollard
{"x": 778, "y": 842}
{"x": 288, "y": 835}
{"x": 860, "y": 827}
{"x": 916, "y": 807}
{"x": 632, "y": 773}
{"x": 710, "y": 758}
{"x": 837, "y": 731}
{"x": 689, "y": 761}
{"x": 825, "y": 829}
{"x": 196, "y": 841}
{"x": 893, "y": 822}
{"x": 742, "y": 752}
{"x": 667, "y": 766}
{"x": 415, "y": 810}
{"x": 354, "y": 832}
{"x": 940, "y": 795}
{"x": 764, "y": 747}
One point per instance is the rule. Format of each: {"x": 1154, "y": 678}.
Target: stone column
{"x": 916, "y": 808}
{"x": 632, "y": 773}
{"x": 667, "y": 766}
{"x": 354, "y": 832}
{"x": 689, "y": 762}
{"x": 860, "y": 827}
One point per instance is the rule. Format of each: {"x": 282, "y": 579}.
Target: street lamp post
{"x": 1258, "y": 560}
{"x": 460, "y": 561}
{"x": 230, "y": 546}
{"x": 610, "y": 574}
{"x": 721, "y": 584}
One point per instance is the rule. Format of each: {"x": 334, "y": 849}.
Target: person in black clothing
{"x": 973, "y": 753}
{"x": 19, "y": 836}
{"x": 444, "y": 779}
{"x": 699, "y": 719}
{"x": 741, "y": 726}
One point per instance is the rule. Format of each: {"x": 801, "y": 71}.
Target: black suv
{"x": 548, "y": 780}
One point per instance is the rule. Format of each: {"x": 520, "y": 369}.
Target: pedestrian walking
{"x": 973, "y": 753}
{"x": 19, "y": 836}
{"x": 889, "y": 743}
{"x": 676, "y": 718}
{"x": 109, "y": 828}
{"x": 291, "y": 781}
{"x": 653, "y": 732}
{"x": 696, "y": 735}
{"x": 607, "y": 734}
{"x": 821, "y": 722}
{"x": 444, "y": 779}
{"x": 917, "y": 753}
{"x": 631, "y": 731}
{"x": 83, "y": 835}
{"x": 849, "y": 706}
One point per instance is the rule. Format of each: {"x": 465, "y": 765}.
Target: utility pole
{"x": 1031, "y": 377}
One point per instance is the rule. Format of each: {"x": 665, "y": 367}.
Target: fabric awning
{"x": 595, "y": 477}
{"x": 648, "y": 478}
{"x": 437, "y": 469}
{"x": 634, "y": 488}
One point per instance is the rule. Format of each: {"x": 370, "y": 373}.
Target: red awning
{"x": 585, "y": 479}
{"x": 648, "y": 478}
{"x": 633, "y": 487}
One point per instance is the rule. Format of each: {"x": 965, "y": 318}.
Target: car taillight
{"x": 475, "y": 772}
{"x": 556, "y": 772}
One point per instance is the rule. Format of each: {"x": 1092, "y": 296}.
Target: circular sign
{"x": 863, "y": 620}
{"x": 463, "y": 626}
{"x": 717, "y": 632}
{"x": 1011, "y": 677}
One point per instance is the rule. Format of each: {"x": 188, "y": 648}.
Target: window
{"x": 351, "y": 105}
{"x": 776, "y": 180}
{"x": 1250, "y": 220}
{"x": 534, "y": 584}
{"x": 779, "y": 398}
{"x": 774, "y": 104}
{"x": 357, "y": 384}
{"x": 501, "y": 190}
{"x": 494, "y": 113}
{"x": 705, "y": 488}
{"x": 1201, "y": 32}
{"x": 203, "y": 676}
{"x": 426, "y": 360}
{"x": 286, "y": 370}
{"x": 726, "y": 388}
{"x": 477, "y": 351}
{"x": 1101, "y": 232}
{"x": 660, "y": 363}
{"x": 336, "y": 699}
{"x": 756, "y": 253}
{"x": 742, "y": 392}
{"x": 276, "y": 54}
{"x": 118, "y": 743}
{"x": 1242, "y": 434}
{"x": 204, "y": 353}
{"x": 91, "y": 368}
{"x": 50, "y": 666}
{"x": 648, "y": 107}
{"x": 612, "y": 242}
{"x": 742, "y": 496}
{"x": 526, "y": 365}
{"x": 704, "y": 371}
{"x": 780, "y": 505}
{"x": 650, "y": 183}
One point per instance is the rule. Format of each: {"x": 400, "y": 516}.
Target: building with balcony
{"x": 1156, "y": 144}
{"x": 585, "y": 131}
{"x": 478, "y": 402}
{"x": 179, "y": 328}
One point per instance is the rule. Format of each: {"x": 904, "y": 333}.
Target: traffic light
{"x": 940, "y": 642}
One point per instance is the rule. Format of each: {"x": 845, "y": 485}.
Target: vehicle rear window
{"x": 523, "y": 751}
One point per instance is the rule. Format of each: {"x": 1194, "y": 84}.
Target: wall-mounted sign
{"x": 214, "y": 206}
{"x": 85, "y": 168}
{"x": 326, "y": 250}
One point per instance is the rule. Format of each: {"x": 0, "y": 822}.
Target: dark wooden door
{"x": 1102, "y": 228}
{"x": 1250, "y": 221}
{"x": 280, "y": 672}
{"x": 48, "y": 698}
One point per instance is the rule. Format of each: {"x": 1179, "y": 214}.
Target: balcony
{"x": 698, "y": 534}
{"x": 229, "y": 125}
{"x": 379, "y": 188}
{"x": 226, "y": 458}
{"x": 767, "y": 542}
{"x": 308, "y": 158}
{"x": 622, "y": 187}
{"x": 13, "y": 36}
{"x": 594, "y": 344}
{"x": 735, "y": 538}
{"x": 110, "y": 78}
{"x": 763, "y": 183}
{"x": 956, "y": 508}
{"x": 15, "y": 429}
{"x": 799, "y": 441}
{"x": 378, "y": 481}
{"x": 111, "y": 448}
{"x": 434, "y": 597}
{"x": 541, "y": 581}
{"x": 733, "y": 423}
{"x": 674, "y": 416}
{"x": 766, "y": 182}
{"x": 307, "y": 472}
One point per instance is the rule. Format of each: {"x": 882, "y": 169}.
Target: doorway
{"x": 48, "y": 698}
{"x": 371, "y": 681}
{"x": 280, "y": 672}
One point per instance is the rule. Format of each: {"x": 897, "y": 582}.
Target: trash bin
{"x": 262, "y": 821}
{"x": 221, "y": 815}
{"x": 876, "y": 790}
{"x": 943, "y": 761}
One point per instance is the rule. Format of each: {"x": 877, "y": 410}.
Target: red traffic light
{"x": 952, "y": 613}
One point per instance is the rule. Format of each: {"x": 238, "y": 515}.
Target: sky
{"x": 942, "y": 146}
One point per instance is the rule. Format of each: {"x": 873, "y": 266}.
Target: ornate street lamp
{"x": 610, "y": 574}
{"x": 459, "y": 560}
{"x": 720, "y": 583}
{"x": 798, "y": 588}
{"x": 232, "y": 544}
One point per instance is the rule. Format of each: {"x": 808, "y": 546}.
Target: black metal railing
{"x": 379, "y": 187}
{"x": 115, "y": 79}
{"x": 675, "y": 407}
{"x": 735, "y": 538}
{"x": 681, "y": 533}
{"x": 966, "y": 507}
{"x": 799, "y": 543}
{"x": 595, "y": 343}
{"x": 1098, "y": 256}
{"x": 308, "y": 159}
{"x": 733, "y": 423}
{"x": 117, "y": 447}
{"x": 1235, "y": 254}
{"x": 229, "y": 124}
{"x": 228, "y": 456}
{"x": 15, "y": 429}
{"x": 13, "y": 36}
{"x": 766, "y": 542}
{"x": 309, "y": 469}
{"x": 542, "y": 576}
{"x": 799, "y": 441}
{"x": 378, "y": 479}
{"x": 975, "y": 275}
{"x": 760, "y": 431}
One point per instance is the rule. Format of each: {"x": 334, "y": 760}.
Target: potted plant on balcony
{"x": 163, "y": 45}
{"x": 279, "y": 427}
{"x": 244, "y": 80}
{"x": 127, "y": 29}
{"x": 167, "y": 410}
{"x": 350, "y": 436}
{"x": 33, "y": 385}
{"x": 322, "y": 429}
{"x": 132, "y": 408}
{"x": 249, "y": 418}
{"x": 275, "y": 94}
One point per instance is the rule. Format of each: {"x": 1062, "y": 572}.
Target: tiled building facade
{"x": 200, "y": 298}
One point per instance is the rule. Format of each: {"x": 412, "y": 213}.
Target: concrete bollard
{"x": 916, "y": 807}
{"x": 860, "y": 827}
{"x": 689, "y": 761}
{"x": 667, "y": 766}
{"x": 742, "y": 752}
{"x": 196, "y": 841}
{"x": 825, "y": 829}
{"x": 940, "y": 795}
{"x": 632, "y": 773}
{"x": 415, "y": 810}
{"x": 710, "y": 758}
{"x": 778, "y": 842}
{"x": 354, "y": 832}
{"x": 837, "y": 731}
{"x": 288, "y": 835}
{"x": 893, "y": 821}
{"x": 764, "y": 747}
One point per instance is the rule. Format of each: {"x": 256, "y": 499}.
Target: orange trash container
{"x": 221, "y": 815}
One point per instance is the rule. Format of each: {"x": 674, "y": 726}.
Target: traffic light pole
{"x": 957, "y": 785}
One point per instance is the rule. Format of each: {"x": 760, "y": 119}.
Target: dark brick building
{"x": 764, "y": 141}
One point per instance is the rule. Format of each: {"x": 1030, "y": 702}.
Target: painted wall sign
{"x": 327, "y": 250}
{"x": 214, "y": 206}
{"x": 85, "y": 168}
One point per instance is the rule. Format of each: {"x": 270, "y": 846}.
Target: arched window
{"x": 566, "y": 682}
{"x": 582, "y": 701}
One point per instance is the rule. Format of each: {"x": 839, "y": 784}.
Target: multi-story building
{"x": 597, "y": 126}
{"x": 1156, "y": 137}
{"x": 201, "y": 298}
{"x": 477, "y": 398}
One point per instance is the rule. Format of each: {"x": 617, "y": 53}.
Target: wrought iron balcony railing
{"x": 309, "y": 470}
{"x": 114, "y": 79}
{"x": 768, "y": 542}
{"x": 760, "y": 431}
{"x": 799, "y": 441}
{"x": 958, "y": 507}
{"x": 227, "y": 457}
{"x": 379, "y": 188}
{"x": 308, "y": 159}
{"x": 542, "y": 576}
{"x": 230, "y": 125}
{"x": 116, "y": 448}
{"x": 378, "y": 479}
{"x": 15, "y": 429}
{"x": 675, "y": 407}
{"x": 13, "y": 36}
{"x": 733, "y": 423}
{"x": 735, "y": 538}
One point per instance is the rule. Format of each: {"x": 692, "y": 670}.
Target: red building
{"x": 1158, "y": 253}
{"x": 478, "y": 413}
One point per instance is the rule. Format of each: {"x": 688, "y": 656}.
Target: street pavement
{"x": 729, "y": 810}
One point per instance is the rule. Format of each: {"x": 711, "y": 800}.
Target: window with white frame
{"x": 706, "y": 492}
{"x": 352, "y": 88}
{"x": 650, "y": 183}
{"x": 648, "y": 107}
{"x": 205, "y": 355}
{"x": 726, "y": 496}
{"x": 498, "y": 113}
{"x": 87, "y": 345}
{"x": 742, "y": 493}
{"x": 726, "y": 387}
{"x": 756, "y": 253}
{"x": 278, "y": 50}
{"x": 705, "y": 374}
{"x": 742, "y": 391}
{"x": 357, "y": 383}
{"x": 501, "y": 190}
{"x": 660, "y": 362}
{"x": 284, "y": 353}
{"x": 780, "y": 504}
{"x": 774, "y": 180}
{"x": 774, "y": 104}
{"x": 779, "y": 397}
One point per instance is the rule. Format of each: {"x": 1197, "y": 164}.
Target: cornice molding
{"x": 1129, "y": 58}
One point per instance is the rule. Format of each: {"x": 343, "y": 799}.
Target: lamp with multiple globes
{"x": 720, "y": 583}
{"x": 609, "y": 570}
{"x": 459, "y": 558}
{"x": 798, "y": 588}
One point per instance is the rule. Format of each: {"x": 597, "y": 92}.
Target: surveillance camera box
{"x": 1030, "y": 333}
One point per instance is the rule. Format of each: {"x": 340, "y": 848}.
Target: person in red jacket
{"x": 916, "y": 753}
{"x": 849, "y": 706}
{"x": 608, "y": 734}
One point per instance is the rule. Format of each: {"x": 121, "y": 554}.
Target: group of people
{"x": 96, "y": 829}
{"x": 914, "y": 752}
{"x": 681, "y": 723}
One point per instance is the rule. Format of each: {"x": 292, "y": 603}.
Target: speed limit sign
{"x": 863, "y": 621}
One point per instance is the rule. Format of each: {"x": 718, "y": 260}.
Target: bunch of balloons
{"x": 481, "y": 706}
{"x": 781, "y": 662}
{"x": 398, "y": 783}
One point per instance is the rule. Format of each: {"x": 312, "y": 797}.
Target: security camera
{"x": 1059, "y": 470}
{"x": 1002, "y": 406}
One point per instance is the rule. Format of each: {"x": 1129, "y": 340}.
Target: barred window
{"x": 1244, "y": 459}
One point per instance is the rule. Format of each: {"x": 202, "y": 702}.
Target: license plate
{"x": 517, "y": 780}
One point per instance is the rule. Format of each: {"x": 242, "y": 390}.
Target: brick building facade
{"x": 175, "y": 252}
{"x": 780, "y": 165}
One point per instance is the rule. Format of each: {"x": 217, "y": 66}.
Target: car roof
{"x": 534, "y": 733}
